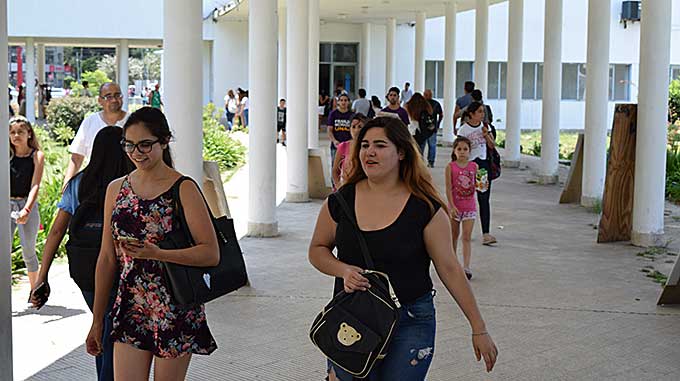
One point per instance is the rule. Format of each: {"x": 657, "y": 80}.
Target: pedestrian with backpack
{"x": 423, "y": 121}
{"x": 80, "y": 212}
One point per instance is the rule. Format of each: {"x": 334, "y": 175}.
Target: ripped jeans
{"x": 410, "y": 353}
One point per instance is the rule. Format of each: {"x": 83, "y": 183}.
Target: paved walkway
{"x": 559, "y": 306}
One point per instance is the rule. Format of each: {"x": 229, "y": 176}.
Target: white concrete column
{"x": 390, "y": 54}
{"x": 552, "y": 93}
{"x": 41, "y": 62}
{"x": 650, "y": 152}
{"x": 282, "y": 54}
{"x": 514, "y": 84}
{"x": 208, "y": 75}
{"x": 40, "y": 52}
{"x": 29, "y": 80}
{"x": 182, "y": 45}
{"x": 313, "y": 78}
{"x": 597, "y": 103}
{"x": 297, "y": 188}
{"x": 449, "y": 72}
{"x": 419, "y": 77}
{"x": 124, "y": 70}
{"x": 365, "y": 58}
{"x": 262, "y": 35}
{"x": 5, "y": 237}
{"x": 481, "y": 66}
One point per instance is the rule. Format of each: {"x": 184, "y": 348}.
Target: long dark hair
{"x": 416, "y": 105}
{"x": 470, "y": 109}
{"x": 412, "y": 170}
{"x": 26, "y": 125}
{"x": 154, "y": 120}
{"x": 107, "y": 163}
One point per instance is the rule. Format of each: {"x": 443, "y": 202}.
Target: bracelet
{"x": 480, "y": 333}
{"x": 28, "y": 210}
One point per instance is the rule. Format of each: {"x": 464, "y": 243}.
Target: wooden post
{"x": 617, "y": 205}
{"x": 572, "y": 189}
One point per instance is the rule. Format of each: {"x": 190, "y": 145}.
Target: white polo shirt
{"x": 82, "y": 143}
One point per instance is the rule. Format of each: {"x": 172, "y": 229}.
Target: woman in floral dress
{"x": 147, "y": 325}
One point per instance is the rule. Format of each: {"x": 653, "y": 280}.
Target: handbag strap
{"x": 179, "y": 209}
{"x": 357, "y": 231}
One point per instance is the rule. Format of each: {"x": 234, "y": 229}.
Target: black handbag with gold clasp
{"x": 354, "y": 330}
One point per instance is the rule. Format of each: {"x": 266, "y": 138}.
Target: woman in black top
{"x": 26, "y": 169}
{"x": 406, "y": 226}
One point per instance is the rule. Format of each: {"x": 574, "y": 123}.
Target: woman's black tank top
{"x": 398, "y": 250}
{"x": 21, "y": 175}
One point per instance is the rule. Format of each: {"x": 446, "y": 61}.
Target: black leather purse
{"x": 355, "y": 329}
{"x": 194, "y": 285}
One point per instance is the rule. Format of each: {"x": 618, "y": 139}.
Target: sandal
{"x": 489, "y": 240}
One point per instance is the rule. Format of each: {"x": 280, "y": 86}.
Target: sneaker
{"x": 468, "y": 273}
{"x": 489, "y": 240}
{"x": 283, "y": 143}
{"x": 431, "y": 165}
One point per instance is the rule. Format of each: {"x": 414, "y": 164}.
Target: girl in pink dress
{"x": 461, "y": 176}
{"x": 342, "y": 165}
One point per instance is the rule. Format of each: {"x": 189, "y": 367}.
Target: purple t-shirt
{"x": 403, "y": 115}
{"x": 341, "y": 122}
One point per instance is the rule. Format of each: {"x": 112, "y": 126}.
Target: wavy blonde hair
{"x": 412, "y": 169}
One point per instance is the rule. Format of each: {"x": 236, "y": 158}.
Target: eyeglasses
{"x": 109, "y": 97}
{"x": 145, "y": 146}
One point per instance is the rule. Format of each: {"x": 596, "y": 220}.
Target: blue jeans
{"x": 431, "y": 143}
{"x": 104, "y": 361}
{"x": 410, "y": 353}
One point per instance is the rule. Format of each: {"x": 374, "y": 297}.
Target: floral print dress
{"x": 143, "y": 313}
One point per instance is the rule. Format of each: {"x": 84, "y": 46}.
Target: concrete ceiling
{"x": 359, "y": 11}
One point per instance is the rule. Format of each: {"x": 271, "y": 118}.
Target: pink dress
{"x": 345, "y": 166}
{"x": 463, "y": 181}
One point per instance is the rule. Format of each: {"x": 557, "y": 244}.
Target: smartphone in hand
{"x": 130, "y": 241}
{"x": 40, "y": 294}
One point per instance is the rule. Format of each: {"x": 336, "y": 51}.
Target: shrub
{"x": 218, "y": 145}
{"x": 95, "y": 79}
{"x": 674, "y": 101}
{"x": 70, "y": 111}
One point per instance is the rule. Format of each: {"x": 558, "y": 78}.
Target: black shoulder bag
{"x": 355, "y": 329}
{"x": 192, "y": 284}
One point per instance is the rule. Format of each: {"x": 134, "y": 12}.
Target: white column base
{"x": 590, "y": 202}
{"x": 647, "y": 239}
{"x": 444, "y": 143}
{"x": 548, "y": 179}
{"x": 511, "y": 163}
{"x": 263, "y": 230}
{"x": 296, "y": 197}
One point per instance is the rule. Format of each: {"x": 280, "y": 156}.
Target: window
{"x": 573, "y": 81}
{"x": 675, "y": 72}
{"x": 619, "y": 82}
{"x": 338, "y": 67}
{"x": 498, "y": 72}
{"x": 463, "y": 74}
{"x": 434, "y": 77}
{"x": 532, "y": 80}
{"x": 345, "y": 52}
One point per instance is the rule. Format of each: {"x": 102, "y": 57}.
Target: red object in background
{"x": 20, "y": 67}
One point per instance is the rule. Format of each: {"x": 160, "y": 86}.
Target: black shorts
{"x": 280, "y": 127}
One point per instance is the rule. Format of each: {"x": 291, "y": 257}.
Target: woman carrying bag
{"x": 406, "y": 226}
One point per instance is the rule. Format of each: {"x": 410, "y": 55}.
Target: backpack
{"x": 84, "y": 241}
{"x": 371, "y": 112}
{"x": 428, "y": 123}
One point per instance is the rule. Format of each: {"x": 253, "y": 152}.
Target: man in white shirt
{"x": 112, "y": 114}
{"x": 406, "y": 94}
{"x": 361, "y": 105}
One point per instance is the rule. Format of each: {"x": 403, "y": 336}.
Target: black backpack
{"x": 428, "y": 123}
{"x": 84, "y": 241}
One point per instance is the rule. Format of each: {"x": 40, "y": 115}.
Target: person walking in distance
{"x": 231, "y": 107}
{"x": 422, "y": 120}
{"x": 393, "y": 106}
{"x": 461, "y": 103}
{"x": 406, "y": 94}
{"x": 155, "y": 97}
{"x": 339, "y": 122}
{"x": 361, "y": 105}
{"x": 112, "y": 114}
{"x": 406, "y": 226}
{"x": 281, "y": 121}
{"x": 461, "y": 176}
{"x": 481, "y": 138}
{"x": 26, "y": 166}
{"x": 432, "y": 140}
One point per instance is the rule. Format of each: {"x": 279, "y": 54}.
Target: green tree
{"x": 674, "y": 100}
{"x": 107, "y": 64}
{"x": 94, "y": 78}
